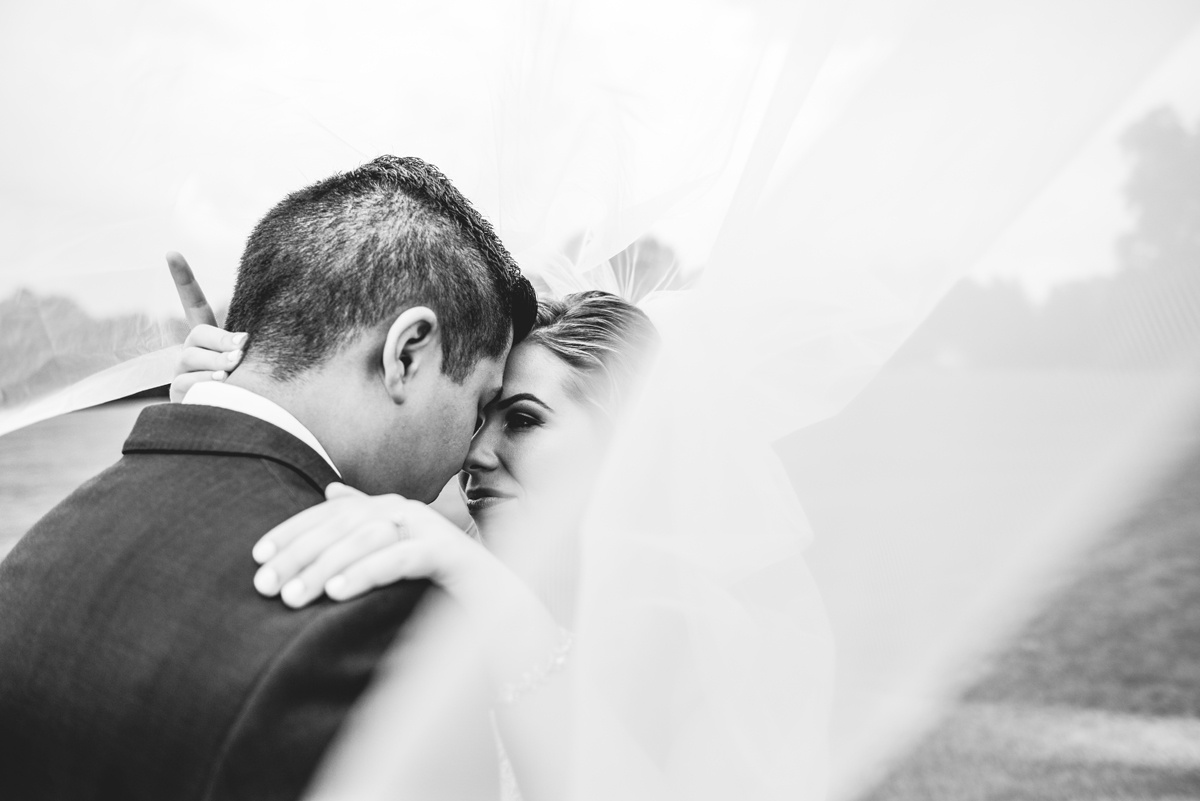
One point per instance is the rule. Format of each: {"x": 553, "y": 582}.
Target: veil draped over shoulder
{"x": 788, "y": 188}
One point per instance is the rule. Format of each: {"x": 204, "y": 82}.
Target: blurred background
{"x": 1007, "y": 530}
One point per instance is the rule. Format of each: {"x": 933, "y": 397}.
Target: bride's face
{"x": 533, "y": 460}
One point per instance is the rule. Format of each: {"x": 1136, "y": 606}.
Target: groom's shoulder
{"x": 146, "y": 570}
{"x": 188, "y": 472}
{"x": 193, "y": 491}
{"x": 197, "y": 482}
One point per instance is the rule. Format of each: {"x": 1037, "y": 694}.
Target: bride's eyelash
{"x": 517, "y": 421}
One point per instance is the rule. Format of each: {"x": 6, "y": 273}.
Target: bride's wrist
{"x": 471, "y": 574}
{"x": 514, "y": 626}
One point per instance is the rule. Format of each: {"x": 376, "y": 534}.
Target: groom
{"x": 136, "y": 659}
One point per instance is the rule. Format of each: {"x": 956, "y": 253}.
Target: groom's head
{"x": 380, "y": 307}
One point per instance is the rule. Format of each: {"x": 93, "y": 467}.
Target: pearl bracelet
{"x": 537, "y": 675}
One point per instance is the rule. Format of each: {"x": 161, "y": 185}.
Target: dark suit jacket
{"x": 136, "y": 659}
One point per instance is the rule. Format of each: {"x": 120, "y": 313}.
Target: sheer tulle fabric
{"x": 832, "y": 167}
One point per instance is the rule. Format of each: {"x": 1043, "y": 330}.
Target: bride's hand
{"x": 353, "y": 543}
{"x": 209, "y": 353}
{"x": 195, "y": 306}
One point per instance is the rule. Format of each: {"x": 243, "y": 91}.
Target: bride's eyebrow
{"x": 522, "y": 396}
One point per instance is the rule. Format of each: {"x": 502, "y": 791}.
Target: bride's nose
{"x": 482, "y": 454}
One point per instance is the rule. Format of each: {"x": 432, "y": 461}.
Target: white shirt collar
{"x": 237, "y": 399}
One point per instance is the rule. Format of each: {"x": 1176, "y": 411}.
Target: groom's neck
{"x": 342, "y": 405}
{"x": 254, "y": 379}
{"x": 307, "y": 399}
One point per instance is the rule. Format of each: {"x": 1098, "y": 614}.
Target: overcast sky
{"x": 1068, "y": 232}
{"x": 139, "y": 127}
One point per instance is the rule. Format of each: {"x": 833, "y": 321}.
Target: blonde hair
{"x": 604, "y": 338}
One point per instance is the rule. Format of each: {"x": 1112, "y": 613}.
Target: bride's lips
{"x": 482, "y": 498}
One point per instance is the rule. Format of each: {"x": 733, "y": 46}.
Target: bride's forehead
{"x": 534, "y": 368}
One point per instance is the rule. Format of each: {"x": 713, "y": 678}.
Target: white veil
{"x": 846, "y": 227}
{"x": 831, "y": 166}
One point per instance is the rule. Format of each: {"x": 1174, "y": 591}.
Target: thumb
{"x": 337, "y": 489}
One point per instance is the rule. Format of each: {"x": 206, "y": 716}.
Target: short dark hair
{"x": 348, "y": 252}
{"x": 607, "y": 340}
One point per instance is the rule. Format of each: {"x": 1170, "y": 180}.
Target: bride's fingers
{"x": 209, "y": 337}
{"x": 282, "y": 568}
{"x": 195, "y": 305}
{"x": 369, "y": 538}
{"x": 193, "y": 360}
{"x": 209, "y": 354}
{"x": 298, "y": 541}
{"x": 185, "y": 381}
{"x": 408, "y": 559}
{"x": 321, "y": 516}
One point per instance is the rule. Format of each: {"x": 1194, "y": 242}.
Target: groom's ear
{"x": 412, "y": 348}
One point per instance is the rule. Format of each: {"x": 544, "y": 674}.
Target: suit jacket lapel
{"x": 192, "y": 428}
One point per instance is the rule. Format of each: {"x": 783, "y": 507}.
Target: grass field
{"x": 988, "y": 547}
{"x": 1099, "y": 695}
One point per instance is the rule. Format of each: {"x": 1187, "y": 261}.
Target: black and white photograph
{"x": 581, "y": 400}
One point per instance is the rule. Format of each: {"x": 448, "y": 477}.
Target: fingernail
{"x": 263, "y": 551}
{"x": 293, "y": 592}
{"x": 239, "y": 339}
{"x": 220, "y": 375}
{"x": 335, "y": 587}
{"x": 266, "y": 581}
{"x": 234, "y": 356}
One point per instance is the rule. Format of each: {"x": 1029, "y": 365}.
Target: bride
{"x": 531, "y": 469}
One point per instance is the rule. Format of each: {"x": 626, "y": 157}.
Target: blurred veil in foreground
{"x": 820, "y": 172}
